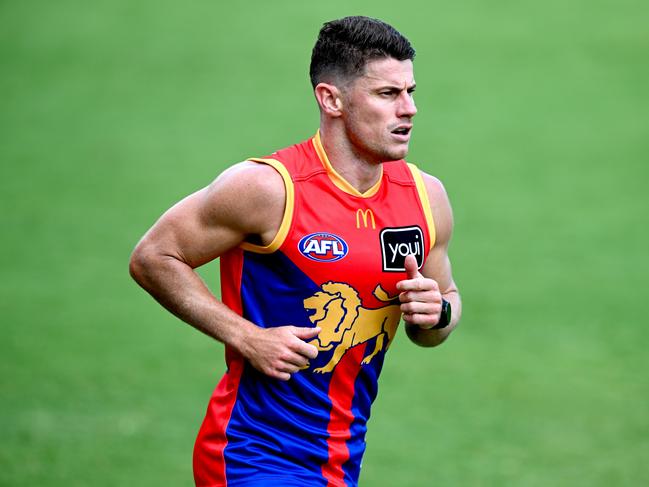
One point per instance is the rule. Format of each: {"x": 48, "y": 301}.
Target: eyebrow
{"x": 396, "y": 87}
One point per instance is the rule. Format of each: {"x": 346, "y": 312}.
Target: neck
{"x": 359, "y": 171}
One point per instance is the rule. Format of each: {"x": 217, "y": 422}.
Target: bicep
{"x": 186, "y": 232}
{"x": 438, "y": 264}
{"x": 215, "y": 219}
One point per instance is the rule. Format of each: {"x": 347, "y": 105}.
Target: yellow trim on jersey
{"x": 425, "y": 202}
{"x": 288, "y": 211}
{"x": 340, "y": 182}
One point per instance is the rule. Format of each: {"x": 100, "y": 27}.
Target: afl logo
{"x": 323, "y": 247}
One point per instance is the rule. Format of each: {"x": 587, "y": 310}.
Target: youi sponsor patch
{"x": 397, "y": 243}
{"x": 323, "y": 247}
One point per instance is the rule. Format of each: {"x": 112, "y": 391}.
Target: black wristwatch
{"x": 444, "y": 317}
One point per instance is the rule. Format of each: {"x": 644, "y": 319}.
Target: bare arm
{"x": 248, "y": 199}
{"x": 422, "y": 293}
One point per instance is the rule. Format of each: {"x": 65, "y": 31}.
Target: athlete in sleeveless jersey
{"x": 316, "y": 271}
{"x": 334, "y": 263}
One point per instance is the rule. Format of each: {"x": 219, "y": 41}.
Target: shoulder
{"x": 248, "y": 195}
{"x": 247, "y": 184}
{"x": 434, "y": 187}
{"x": 440, "y": 206}
{"x": 250, "y": 179}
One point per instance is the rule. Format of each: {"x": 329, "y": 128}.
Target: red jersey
{"x": 334, "y": 263}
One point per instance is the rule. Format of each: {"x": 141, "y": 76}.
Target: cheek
{"x": 369, "y": 121}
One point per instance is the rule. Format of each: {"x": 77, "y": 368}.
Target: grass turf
{"x": 535, "y": 117}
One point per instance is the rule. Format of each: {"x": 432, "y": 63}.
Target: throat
{"x": 349, "y": 171}
{"x": 362, "y": 177}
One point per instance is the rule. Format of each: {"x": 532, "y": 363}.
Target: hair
{"x": 346, "y": 45}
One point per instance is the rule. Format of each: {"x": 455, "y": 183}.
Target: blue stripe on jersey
{"x": 280, "y": 430}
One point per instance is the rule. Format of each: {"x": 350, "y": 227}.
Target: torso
{"x": 334, "y": 262}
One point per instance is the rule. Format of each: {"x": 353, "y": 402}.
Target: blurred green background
{"x": 534, "y": 114}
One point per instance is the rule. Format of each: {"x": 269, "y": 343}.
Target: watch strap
{"x": 444, "y": 316}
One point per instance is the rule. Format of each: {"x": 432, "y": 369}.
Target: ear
{"x": 329, "y": 98}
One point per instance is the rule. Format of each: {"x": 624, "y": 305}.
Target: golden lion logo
{"x": 345, "y": 323}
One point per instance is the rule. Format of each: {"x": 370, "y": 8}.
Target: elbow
{"x": 134, "y": 267}
{"x": 138, "y": 264}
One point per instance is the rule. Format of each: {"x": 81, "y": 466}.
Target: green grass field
{"x": 534, "y": 114}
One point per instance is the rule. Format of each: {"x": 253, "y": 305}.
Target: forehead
{"x": 388, "y": 71}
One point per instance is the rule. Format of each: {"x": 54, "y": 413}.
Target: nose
{"x": 407, "y": 107}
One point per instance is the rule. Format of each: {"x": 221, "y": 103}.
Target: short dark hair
{"x": 344, "y": 47}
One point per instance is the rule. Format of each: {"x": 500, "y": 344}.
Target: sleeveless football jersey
{"x": 334, "y": 263}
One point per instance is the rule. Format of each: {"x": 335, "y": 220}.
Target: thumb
{"x": 412, "y": 270}
{"x": 306, "y": 333}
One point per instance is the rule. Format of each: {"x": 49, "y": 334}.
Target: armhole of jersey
{"x": 288, "y": 211}
{"x": 425, "y": 202}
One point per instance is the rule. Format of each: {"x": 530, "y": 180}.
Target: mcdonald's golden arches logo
{"x": 367, "y": 216}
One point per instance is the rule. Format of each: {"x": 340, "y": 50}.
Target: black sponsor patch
{"x": 397, "y": 243}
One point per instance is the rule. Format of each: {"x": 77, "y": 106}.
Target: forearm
{"x": 177, "y": 287}
{"x": 433, "y": 337}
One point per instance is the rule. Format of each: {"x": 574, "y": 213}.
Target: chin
{"x": 389, "y": 153}
{"x": 396, "y": 154}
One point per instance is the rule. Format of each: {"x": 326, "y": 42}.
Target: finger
{"x": 421, "y": 308}
{"x": 412, "y": 269}
{"x": 276, "y": 372}
{"x": 294, "y": 362}
{"x": 419, "y": 284}
{"x": 281, "y": 376}
{"x": 305, "y": 333}
{"x": 426, "y": 296}
{"x": 282, "y": 368}
{"x": 425, "y": 321}
{"x": 306, "y": 350}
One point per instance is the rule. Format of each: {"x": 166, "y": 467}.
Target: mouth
{"x": 402, "y": 131}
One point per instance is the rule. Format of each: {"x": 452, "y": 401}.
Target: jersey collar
{"x": 340, "y": 182}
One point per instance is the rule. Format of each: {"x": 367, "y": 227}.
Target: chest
{"x": 337, "y": 237}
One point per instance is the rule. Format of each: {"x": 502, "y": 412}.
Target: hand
{"x": 421, "y": 300}
{"x": 280, "y": 351}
